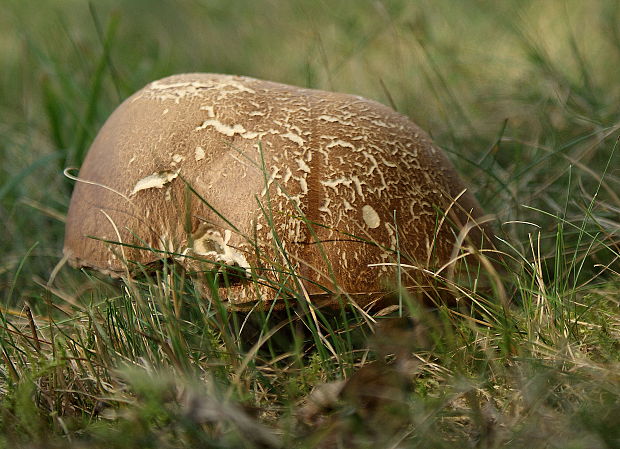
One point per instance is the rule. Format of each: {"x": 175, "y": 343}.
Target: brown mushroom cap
{"x": 286, "y": 179}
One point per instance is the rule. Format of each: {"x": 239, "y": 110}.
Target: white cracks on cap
{"x": 358, "y": 185}
{"x": 303, "y": 166}
{"x": 199, "y": 154}
{"x": 333, "y": 183}
{"x": 168, "y": 89}
{"x": 380, "y": 123}
{"x": 288, "y": 174}
{"x": 155, "y": 181}
{"x": 222, "y": 128}
{"x": 274, "y": 175}
{"x": 325, "y": 207}
{"x": 294, "y": 138}
{"x": 371, "y": 217}
{"x": 332, "y": 119}
{"x": 340, "y": 143}
{"x": 240, "y": 130}
{"x": 303, "y": 185}
{"x": 209, "y": 242}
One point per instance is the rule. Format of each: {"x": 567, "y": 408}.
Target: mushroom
{"x": 292, "y": 189}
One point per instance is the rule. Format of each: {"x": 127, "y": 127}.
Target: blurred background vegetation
{"x": 522, "y": 94}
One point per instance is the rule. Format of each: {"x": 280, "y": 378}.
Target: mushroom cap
{"x": 269, "y": 178}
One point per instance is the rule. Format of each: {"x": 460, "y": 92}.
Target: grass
{"x": 522, "y": 95}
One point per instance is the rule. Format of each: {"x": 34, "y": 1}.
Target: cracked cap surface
{"x": 334, "y": 181}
